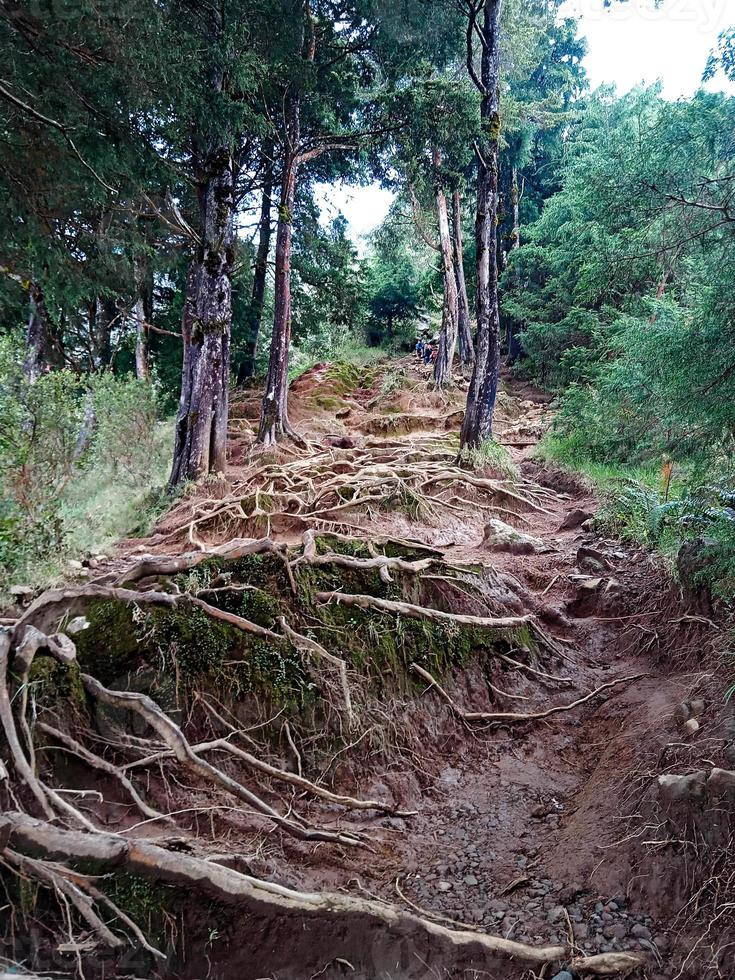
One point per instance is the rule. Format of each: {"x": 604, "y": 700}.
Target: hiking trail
{"x": 451, "y": 713}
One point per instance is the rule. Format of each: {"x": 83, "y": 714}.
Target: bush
{"x": 78, "y": 457}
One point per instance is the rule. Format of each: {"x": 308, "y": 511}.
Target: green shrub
{"x": 79, "y": 459}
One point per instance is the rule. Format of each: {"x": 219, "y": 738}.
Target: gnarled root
{"x": 508, "y": 717}
{"x": 356, "y": 917}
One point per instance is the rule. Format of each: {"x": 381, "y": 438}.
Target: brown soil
{"x": 522, "y": 831}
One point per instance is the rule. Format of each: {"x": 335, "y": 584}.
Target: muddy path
{"x": 513, "y": 774}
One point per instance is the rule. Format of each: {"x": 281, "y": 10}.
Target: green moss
{"x": 150, "y": 904}
{"x": 110, "y": 645}
{"x": 52, "y": 682}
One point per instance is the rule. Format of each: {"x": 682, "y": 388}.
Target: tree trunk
{"x": 44, "y": 348}
{"x": 255, "y": 314}
{"x": 514, "y": 347}
{"x": 478, "y": 421}
{"x": 274, "y": 422}
{"x": 450, "y": 311}
{"x": 142, "y": 316}
{"x": 105, "y": 317}
{"x": 466, "y": 347}
{"x": 201, "y": 424}
{"x": 274, "y": 414}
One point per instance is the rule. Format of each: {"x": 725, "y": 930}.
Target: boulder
{"x": 674, "y": 789}
{"x": 500, "y": 536}
{"x": 721, "y": 786}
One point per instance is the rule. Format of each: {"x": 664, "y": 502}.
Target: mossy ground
{"x": 173, "y": 652}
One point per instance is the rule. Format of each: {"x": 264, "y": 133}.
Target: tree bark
{"x": 105, "y": 313}
{"x": 514, "y": 347}
{"x": 450, "y": 311}
{"x": 274, "y": 423}
{"x": 44, "y": 348}
{"x": 142, "y": 312}
{"x": 255, "y": 313}
{"x": 201, "y": 424}
{"x": 466, "y": 347}
{"x": 478, "y": 421}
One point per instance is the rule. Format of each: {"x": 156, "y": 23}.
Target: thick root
{"x": 352, "y": 916}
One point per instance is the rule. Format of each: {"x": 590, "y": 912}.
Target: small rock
{"x": 617, "y": 931}
{"x": 683, "y": 712}
{"x": 692, "y": 726}
{"x": 557, "y": 914}
{"x": 444, "y": 886}
{"x": 500, "y": 536}
{"x": 21, "y": 591}
{"x": 640, "y": 932}
{"x": 698, "y": 708}
{"x": 76, "y": 565}
{"x": 470, "y": 880}
{"x": 564, "y": 975}
{"x": 575, "y": 518}
{"x": 76, "y": 625}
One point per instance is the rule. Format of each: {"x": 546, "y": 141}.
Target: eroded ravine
{"x": 347, "y": 646}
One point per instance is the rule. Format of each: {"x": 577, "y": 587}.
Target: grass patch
{"x": 491, "y": 456}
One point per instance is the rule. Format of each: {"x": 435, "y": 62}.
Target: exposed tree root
{"x": 222, "y": 745}
{"x": 167, "y": 565}
{"x": 422, "y": 612}
{"x": 102, "y": 765}
{"x": 511, "y": 716}
{"x": 43, "y": 607}
{"x": 315, "y": 489}
{"x": 178, "y": 744}
{"x": 108, "y": 852}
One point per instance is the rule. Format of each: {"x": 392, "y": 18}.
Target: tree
{"x": 319, "y": 92}
{"x": 478, "y": 421}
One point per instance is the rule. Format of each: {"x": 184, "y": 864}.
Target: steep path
{"x": 354, "y": 634}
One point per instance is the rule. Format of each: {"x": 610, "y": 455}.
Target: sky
{"x": 629, "y": 43}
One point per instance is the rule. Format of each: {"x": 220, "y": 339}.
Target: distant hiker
{"x": 427, "y": 353}
{"x": 419, "y": 349}
{"x": 434, "y": 353}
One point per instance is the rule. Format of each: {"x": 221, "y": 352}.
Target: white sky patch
{"x": 636, "y": 42}
{"x": 364, "y": 207}
{"x": 628, "y": 44}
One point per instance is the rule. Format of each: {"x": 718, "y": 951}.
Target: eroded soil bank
{"x": 406, "y": 719}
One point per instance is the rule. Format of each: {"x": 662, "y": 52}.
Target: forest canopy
{"x": 163, "y": 166}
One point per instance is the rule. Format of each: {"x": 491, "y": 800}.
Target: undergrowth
{"x": 491, "y": 455}
{"x": 83, "y": 462}
{"x": 661, "y": 505}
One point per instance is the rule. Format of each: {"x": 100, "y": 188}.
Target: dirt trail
{"x": 521, "y": 829}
